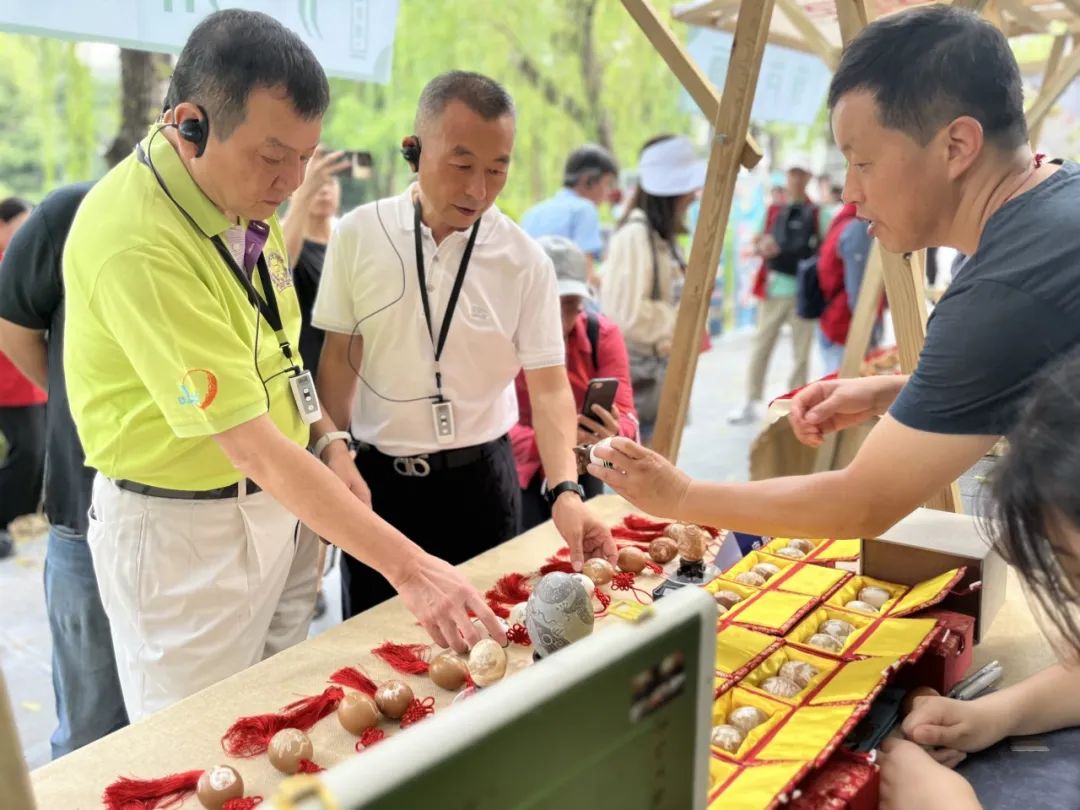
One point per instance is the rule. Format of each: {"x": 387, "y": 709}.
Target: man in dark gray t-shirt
{"x": 85, "y": 682}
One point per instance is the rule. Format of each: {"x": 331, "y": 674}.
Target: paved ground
{"x": 711, "y": 448}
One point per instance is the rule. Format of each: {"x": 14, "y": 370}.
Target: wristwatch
{"x": 551, "y": 493}
{"x": 325, "y": 440}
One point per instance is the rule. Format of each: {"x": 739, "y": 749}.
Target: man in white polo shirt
{"x": 432, "y": 302}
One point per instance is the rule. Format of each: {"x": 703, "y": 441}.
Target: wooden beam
{"x": 853, "y": 17}
{"x": 815, "y": 40}
{"x": 1053, "y": 62}
{"x": 691, "y": 77}
{"x": 1052, "y": 89}
{"x": 858, "y": 341}
{"x": 1024, "y": 15}
{"x": 732, "y": 120}
{"x": 1072, "y": 5}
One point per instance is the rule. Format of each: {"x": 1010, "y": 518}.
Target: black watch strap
{"x": 566, "y": 486}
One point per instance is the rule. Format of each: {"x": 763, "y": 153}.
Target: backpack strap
{"x": 592, "y": 331}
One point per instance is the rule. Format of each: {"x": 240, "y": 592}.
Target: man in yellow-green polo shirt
{"x": 189, "y": 397}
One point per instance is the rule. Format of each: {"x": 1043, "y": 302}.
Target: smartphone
{"x": 359, "y": 165}
{"x": 601, "y": 391}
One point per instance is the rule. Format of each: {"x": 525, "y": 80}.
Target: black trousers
{"x": 22, "y": 470}
{"x": 454, "y": 514}
{"x": 535, "y": 509}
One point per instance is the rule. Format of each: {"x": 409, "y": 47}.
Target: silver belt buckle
{"x": 412, "y": 466}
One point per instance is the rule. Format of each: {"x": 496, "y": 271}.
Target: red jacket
{"x": 836, "y": 319}
{"x": 612, "y": 361}
{"x": 16, "y": 391}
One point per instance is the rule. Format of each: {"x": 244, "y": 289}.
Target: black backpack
{"x": 796, "y": 233}
{"x": 809, "y": 299}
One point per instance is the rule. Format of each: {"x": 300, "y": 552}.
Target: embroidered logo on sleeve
{"x": 198, "y": 387}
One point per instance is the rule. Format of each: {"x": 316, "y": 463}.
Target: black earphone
{"x": 197, "y": 131}
{"x": 410, "y": 150}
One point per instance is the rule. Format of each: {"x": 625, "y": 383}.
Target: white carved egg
{"x": 559, "y": 613}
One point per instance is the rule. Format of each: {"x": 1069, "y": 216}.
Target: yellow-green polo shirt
{"x": 159, "y": 350}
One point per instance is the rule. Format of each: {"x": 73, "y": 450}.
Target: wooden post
{"x": 1052, "y": 89}
{"x": 1053, "y": 62}
{"x": 691, "y": 77}
{"x": 811, "y": 34}
{"x": 858, "y": 340}
{"x": 853, "y": 17}
{"x": 732, "y": 120}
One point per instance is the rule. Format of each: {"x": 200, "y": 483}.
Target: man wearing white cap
{"x": 644, "y": 265}
{"x": 792, "y": 237}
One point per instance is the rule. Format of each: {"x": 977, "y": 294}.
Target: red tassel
{"x": 369, "y": 738}
{"x": 604, "y": 600}
{"x": 405, "y": 658}
{"x": 354, "y": 679}
{"x": 250, "y": 736}
{"x": 151, "y": 794}
{"x": 642, "y": 523}
{"x": 307, "y": 766}
{"x": 558, "y": 565}
{"x": 518, "y": 635}
{"x": 634, "y": 535}
{"x": 243, "y": 803}
{"x": 417, "y": 711}
{"x": 510, "y": 589}
{"x": 655, "y": 567}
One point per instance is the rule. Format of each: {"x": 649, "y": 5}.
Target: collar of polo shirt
{"x": 183, "y": 186}
{"x": 488, "y": 219}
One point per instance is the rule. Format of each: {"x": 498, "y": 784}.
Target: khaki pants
{"x": 196, "y": 591}
{"x": 773, "y": 313}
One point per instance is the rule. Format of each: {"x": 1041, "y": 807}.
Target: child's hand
{"x": 910, "y": 778}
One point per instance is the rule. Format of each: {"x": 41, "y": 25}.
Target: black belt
{"x": 423, "y": 465}
{"x": 219, "y": 494}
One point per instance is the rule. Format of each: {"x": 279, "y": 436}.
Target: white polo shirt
{"x": 507, "y": 317}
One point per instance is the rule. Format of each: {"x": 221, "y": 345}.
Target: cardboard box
{"x": 929, "y": 542}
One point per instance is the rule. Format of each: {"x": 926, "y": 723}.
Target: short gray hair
{"x": 484, "y": 96}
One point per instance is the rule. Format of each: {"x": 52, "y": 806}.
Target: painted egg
{"x": 799, "y": 672}
{"x": 746, "y": 718}
{"x": 559, "y": 613}
{"x": 586, "y": 583}
{"x": 448, "y": 671}
{"x": 825, "y": 642}
{"x": 873, "y": 595}
{"x": 805, "y": 546}
{"x": 837, "y": 628}
{"x": 632, "y": 559}
{"x": 595, "y": 459}
{"x": 663, "y": 550}
{"x": 860, "y": 606}
{"x": 693, "y": 543}
{"x": 751, "y": 578}
{"x": 780, "y": 687}
{"x": 219, "y": 785}
{"x": 287, "y": 748}
{"x": 517, "y": 614}
{"x": 393, "y": 698}
{"x": 728, "y": 738}
{"x": 790, "y": 553}
{"x": 600, "y": 571}
{"x": 727, "y": 599}
{"x": 766, "y": 570}
{"x": 487, "y": 661}
{"x": 357, "y": 713}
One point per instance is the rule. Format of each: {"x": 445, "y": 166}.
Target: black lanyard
{"x": 454, "y": 293}
{"x": 268, "y": 307}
